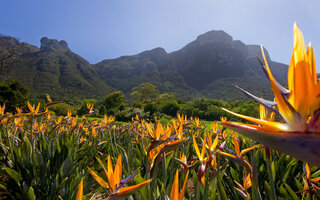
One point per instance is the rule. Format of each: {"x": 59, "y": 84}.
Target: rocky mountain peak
{"x": 214, "y": 36}
{"x": 8, "y": 41}
{"x": 12, "y": 44}
{"x": 53, "y": 45}
{"x": 154, "y": 53}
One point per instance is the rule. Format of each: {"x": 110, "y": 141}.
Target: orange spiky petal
{"x": 118, "y": 171}
{"x": 184, "y": 186}
{"x": 195, "y": 145}
{"x": 174, "y": 195}
{"x": 98, "y": 179}
{"x": 274, "y": 125}
{"x": 111, "y": 175}
{"x": 125, "y": 192}
{"x": 236, "y": 145}
{"x": 287, "y": 111}
{"x": 80, "y": 191}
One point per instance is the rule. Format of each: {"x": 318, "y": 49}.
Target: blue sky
{"x": 102, "y": 29}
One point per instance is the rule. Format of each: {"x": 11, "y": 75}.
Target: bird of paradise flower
{"x": 298, "y": 134}
{"x": 115, "y": 184}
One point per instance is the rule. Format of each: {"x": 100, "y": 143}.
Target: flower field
{"x": 48, "y": 157}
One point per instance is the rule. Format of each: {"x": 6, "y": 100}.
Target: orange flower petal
{"x": 174, "y": 195}
{"x": 118, "y": 172}
{"x": 184, "y": 186}
{"x": 286, "y": 110}
{"x": 123, "y": 193}
{"x": 236, "y": 145}
{"x": 98, "y": 179}
{"x": 195, "y": 145}
{"x": 80, "y": 191}
{"x": 273, "y": 125}
{"x": 111, "y": 175}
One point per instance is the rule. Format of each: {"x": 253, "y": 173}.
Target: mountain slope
{"x": 209, "y": 66}
{"x": 214, "y": 63}
{"x": 153, "y": 66}
{"x": 56, "y": 70}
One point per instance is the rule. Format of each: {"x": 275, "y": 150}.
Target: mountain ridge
{"x": 209, "y": 66}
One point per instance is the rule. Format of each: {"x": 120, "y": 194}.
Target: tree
{"x": 151, "y": 107}
{"x": 144, "y": 91}
{"x": 170, "y": 108}
{"x": 102, "y": 110}
{"x": 13, "y": 94}
{"x": 114, "y": 102}
{"x": 167, "y": 97}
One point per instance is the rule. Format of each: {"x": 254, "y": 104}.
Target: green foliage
{"x": 170, "y": 108}
{"x": 151, "y": 107}
{"x": 167, "y": 97}
{"x": 61, "y": 109}
{"x": 13, "y": 94}
{"x": 44, "y": 165}
{"x": 249, "y": 108}
{"x": 204, "y": 109}
{"x": 144, "y": 92}
{"x": 114, "y": 102}
{"x": 210, "y": 109}
{"x": 102, "y": 110}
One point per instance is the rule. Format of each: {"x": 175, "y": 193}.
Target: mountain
{"x": 55, "y": 69}
{"x": 153, "y": 66}
{"x": 214, "y": 63}
{"x": 209, "y": 66}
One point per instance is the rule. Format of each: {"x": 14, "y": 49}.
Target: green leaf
{"x": 213, "y": 191}
{"x": 299, "y": 185}
{"x": 268, "y": 189}
{"x": 222, "y": 192}
{"x": 31, "y": 195}
{"x": 286, "y": 175}
{"x": 284, "y": 192}
{"x": 273, "y": 170}
{"x": 291, "y": 192}
{"x": 3, "y": 187}
{"x": 58, "y": 146}
{"x": 13, "y": 174}
{"x": 27, "y": 147}
{"x": 234, "y": 174}
{"x": 315, "y": 174}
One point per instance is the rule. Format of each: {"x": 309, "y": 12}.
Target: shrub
{"x": 170, "y": 108}
{"x": 114, "y": 102}
{"x": 61, "y": 109}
